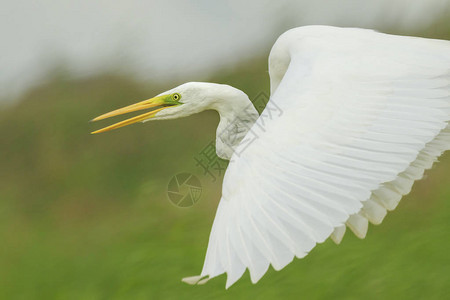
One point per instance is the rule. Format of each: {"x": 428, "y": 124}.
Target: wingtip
{"x": 232, "y": 280}
{"x": 203, "y": 281}
{"x": 338, "y": 234}
{"x": 358, "y": 225}
{"x": 194, "y": 280}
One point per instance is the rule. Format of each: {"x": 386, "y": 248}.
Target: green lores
{"x": 162, "y": 101}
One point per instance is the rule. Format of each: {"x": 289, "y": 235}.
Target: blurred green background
{"x": 87, "y": 216}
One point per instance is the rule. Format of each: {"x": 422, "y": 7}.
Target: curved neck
{"x": 237, "y": 116}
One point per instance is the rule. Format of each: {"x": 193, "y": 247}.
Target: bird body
{"x": 361, "y": 116}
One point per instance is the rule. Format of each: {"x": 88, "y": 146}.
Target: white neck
{"x": 237, "y": 115}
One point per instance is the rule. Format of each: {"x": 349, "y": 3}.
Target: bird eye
{"x": 176, "y": 96}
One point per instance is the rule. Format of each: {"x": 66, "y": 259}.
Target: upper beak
{"x": 153, "y": 102}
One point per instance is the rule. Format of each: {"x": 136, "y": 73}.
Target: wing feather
{"x": 363, "y": 115}
{"x": 389, "y": 194}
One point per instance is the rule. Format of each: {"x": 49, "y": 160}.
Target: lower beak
{"x": 153, "y": 102}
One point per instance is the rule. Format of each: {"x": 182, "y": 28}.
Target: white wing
{"x": 357, "y": 117}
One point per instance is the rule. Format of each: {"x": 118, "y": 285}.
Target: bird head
{"x": 182, "y": 101}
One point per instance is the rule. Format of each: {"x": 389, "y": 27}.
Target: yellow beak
{"x": 163, "y": 101}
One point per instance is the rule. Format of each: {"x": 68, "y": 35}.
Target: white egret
{"x": 362, "y": 115}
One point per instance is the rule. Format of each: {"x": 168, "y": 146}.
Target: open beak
{"x": 163, "y": 102}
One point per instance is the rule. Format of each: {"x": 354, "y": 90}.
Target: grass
{"x": 143, "y": 250}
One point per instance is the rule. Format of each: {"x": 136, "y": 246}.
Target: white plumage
{"x": 364, "y": 114}
{"x": 360, "y": 116}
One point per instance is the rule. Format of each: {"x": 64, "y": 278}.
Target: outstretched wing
{"x": 356, "y": 118}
